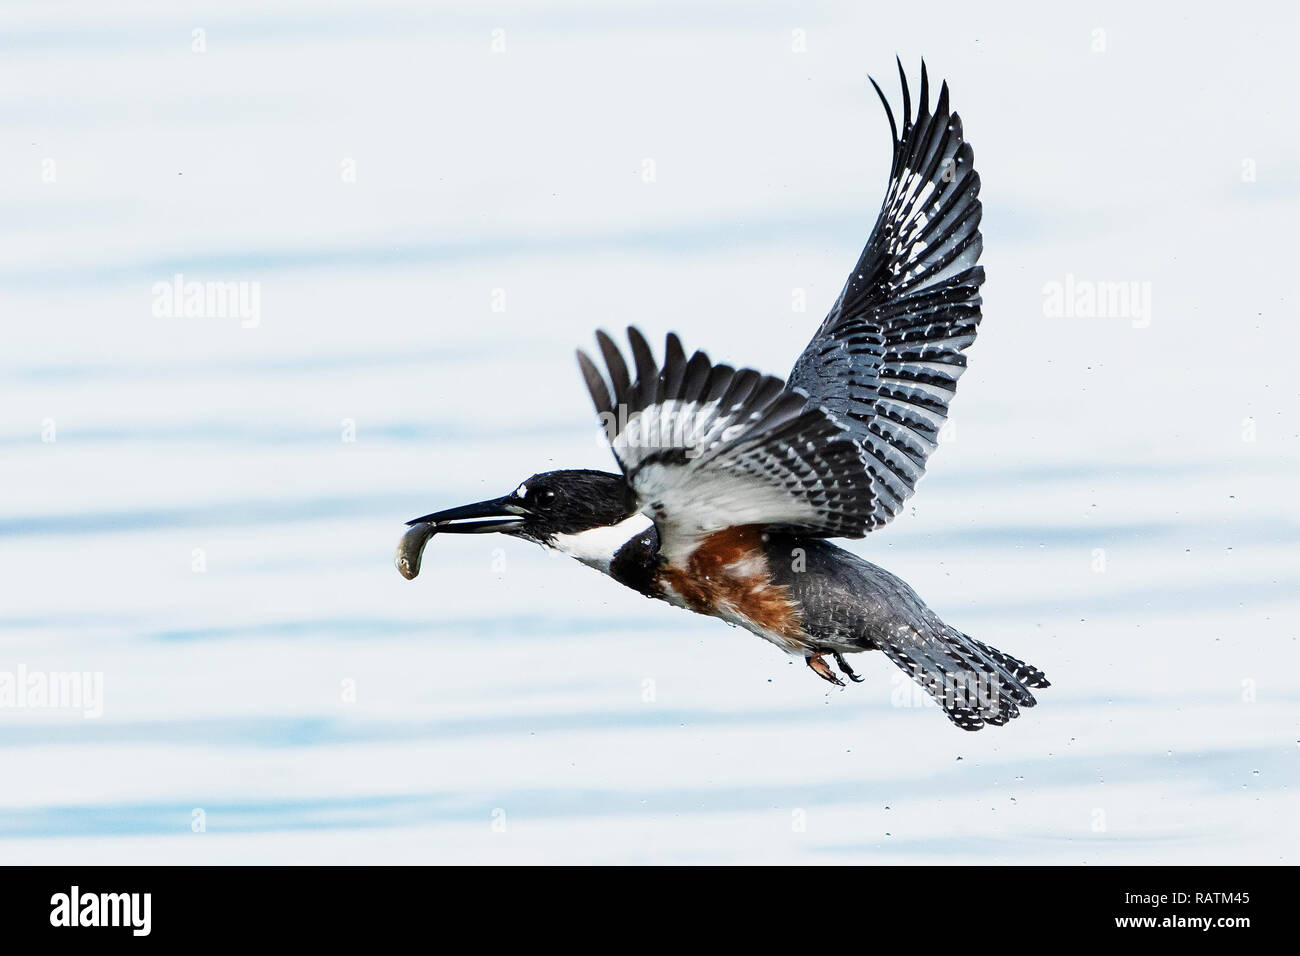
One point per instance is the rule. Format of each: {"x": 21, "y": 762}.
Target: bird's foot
{"x": 845, "y": 669}
{"x": 823, "y": 670}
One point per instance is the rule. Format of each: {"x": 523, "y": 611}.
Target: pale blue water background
{"x": 510, "y": 707}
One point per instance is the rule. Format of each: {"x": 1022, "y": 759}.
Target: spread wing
{"x": 886, "y": 360}
{"x": 706, "y": 447}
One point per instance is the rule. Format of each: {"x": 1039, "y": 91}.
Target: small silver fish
{"x": 411, "y": 547}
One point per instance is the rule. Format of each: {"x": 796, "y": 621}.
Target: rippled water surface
{"x": 432, "y": 228}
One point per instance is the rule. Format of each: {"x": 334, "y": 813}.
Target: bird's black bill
{"x": 483, "y": 516}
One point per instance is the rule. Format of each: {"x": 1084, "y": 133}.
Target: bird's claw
{"x": 845, "y": 669}
{"x": 823, "y": 670}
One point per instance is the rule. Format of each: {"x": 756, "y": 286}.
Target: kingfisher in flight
{"x": 731, "y": 481}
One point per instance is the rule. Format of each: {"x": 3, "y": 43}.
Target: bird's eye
{"x": 543, "y": 498}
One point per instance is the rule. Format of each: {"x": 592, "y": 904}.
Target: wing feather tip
{"x": 596, "y": 385}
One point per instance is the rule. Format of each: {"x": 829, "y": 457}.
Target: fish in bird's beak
{"x": 499, "y": 514}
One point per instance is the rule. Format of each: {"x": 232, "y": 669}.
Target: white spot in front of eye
{"x": 521, "y": 491}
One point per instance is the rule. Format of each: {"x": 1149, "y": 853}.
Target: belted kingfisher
{"x": 731, "y": 481}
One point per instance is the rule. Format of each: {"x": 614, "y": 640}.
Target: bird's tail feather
{"x": 974, "y": 683}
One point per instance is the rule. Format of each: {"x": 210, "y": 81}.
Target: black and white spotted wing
{"x": 887, "y": 358}
{"x": 707, "y": 447}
